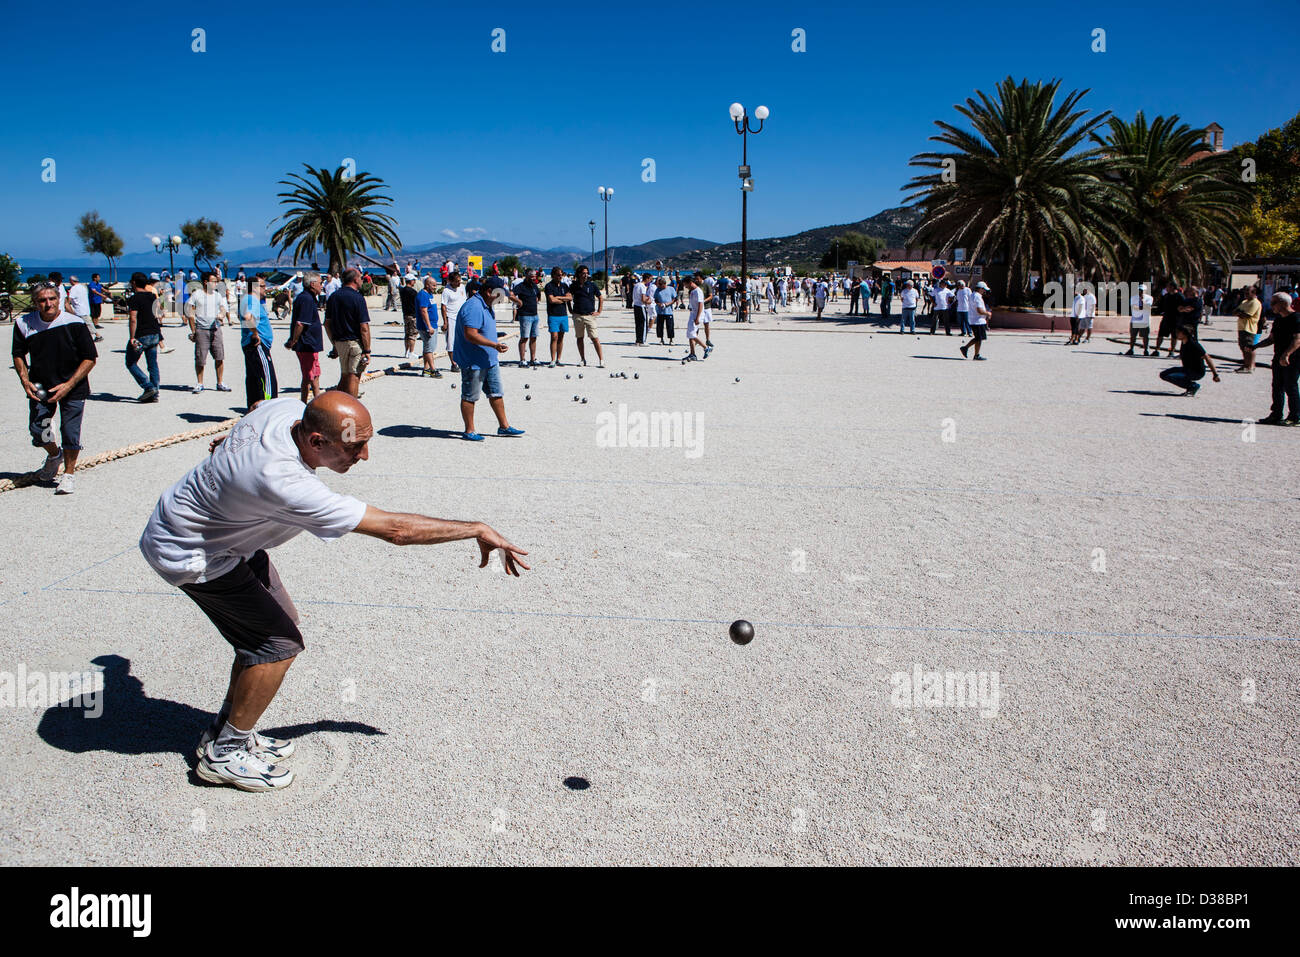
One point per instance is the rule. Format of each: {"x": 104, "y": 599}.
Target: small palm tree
{"x": 335, "y": 212}
{"x": 1178, "y": 210}
{"x": 1022, "y": 186}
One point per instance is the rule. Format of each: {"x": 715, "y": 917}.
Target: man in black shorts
{"x": 210, "y": 533}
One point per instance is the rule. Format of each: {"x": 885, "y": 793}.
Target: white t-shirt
{"x": 942, "y": 298}
{"x": 637, "y": 292}
{"x": 254, "y": 492}
{"x": 975, "y": 316}
{"x": 696, "y": 304}
{"x": 908, "y": 298}
{"x": 79, "y": 301}
{"x": 208, "y": 307}
{"x": 1090, "y": 304}
{"x": 333, "y": 286}
{"x": 452, "y": 300}
{"x": 1140, "y": 309}
{"x": 1080, "y": 307}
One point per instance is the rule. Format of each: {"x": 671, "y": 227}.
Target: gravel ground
{"x": 1117, "y": 558}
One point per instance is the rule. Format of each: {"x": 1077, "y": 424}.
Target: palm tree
{"x": 1020, "y": 187}
{"x": 335, "y": 212}
{"x": 1178, "y": 210}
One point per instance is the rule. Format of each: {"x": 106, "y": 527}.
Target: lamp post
{"x": 591, "y": 224}
{"x": 606, "y": 194}
{"x": 173, "y": 244}
{"x": 741, "y": 119}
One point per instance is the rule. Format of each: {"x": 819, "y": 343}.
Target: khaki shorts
{"x": 209, "y": 341}
{"x": 349, "y": 351}
{"x": 584, "y": 325}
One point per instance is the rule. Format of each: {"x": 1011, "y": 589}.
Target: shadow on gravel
{"x": 1189, "y": 418}
{"x": 107, "y": 397}
{"x": 131, "y": 722}
{"x": 418, "y": 432}
{"x": 944, "y": 358}
{"x": 200, "y": 417}
{"x": 1146, "y": 392}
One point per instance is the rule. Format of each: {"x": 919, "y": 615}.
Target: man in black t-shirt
{"x": 1284, "y": 337}
{"x": 558, "y": 298}
{"x": 1167, "y": 307}
{"x": 305, "y": 334}
{"x": 347, "y": 321}
{"x": 1194, "y": 359}
{"x": 525, "y": 295}
{"x": 53, "y": 354}
{"x": 587, "y": 305}
{"x": 407, "y": 292}
{"x": 144, "y": 333}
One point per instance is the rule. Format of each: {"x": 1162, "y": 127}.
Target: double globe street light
{"x": 741, "y": 121}
{"x": 606, "y": 194}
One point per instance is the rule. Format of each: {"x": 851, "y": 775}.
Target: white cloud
{"x": 477, "y": 230}
{"x": 450, "y": 234}
{"x": 245, "y": 234}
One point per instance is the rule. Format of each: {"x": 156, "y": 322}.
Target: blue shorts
{"x": 527, "y": 327}
{"x": 557, "y": 323}
{"x": 474, "y": 381}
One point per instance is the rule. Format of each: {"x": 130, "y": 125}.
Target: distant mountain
{"x": 807, "y": 247}
{"x": 645, "y": 254}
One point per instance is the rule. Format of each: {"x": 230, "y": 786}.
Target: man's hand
{"x": 30, "y": 389}
{"x": 57, "y": 393}
{"x": 1283, "y": 359}
{"x": 489, "y": 540}
{"x": 502, "y": 347}
{"x": 215, "y": 442}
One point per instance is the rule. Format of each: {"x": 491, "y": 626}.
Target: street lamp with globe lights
{"x": 606, "y": 194}
{"x": 591, "y": 224}
{"x": 741, "y": 121}
{"x": 173, "y": 245}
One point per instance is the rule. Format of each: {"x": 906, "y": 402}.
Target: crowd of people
{"x": 55, "y": 344}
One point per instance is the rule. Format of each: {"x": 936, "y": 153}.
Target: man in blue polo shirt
{"x": 477, "y": 352}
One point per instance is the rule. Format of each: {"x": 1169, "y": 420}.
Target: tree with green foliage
{"x": 1270, "y": 169}
{"x": 11, "y": 274}
{"x": 1177, "y": 210}
{"x": 851, "y": 246}
{"x": 203, "y": 236}
{"x": 508, "y": 264}
{"x": 1022, "y": 186}
{"x": 100, "y": 239}
{"x": 337, "y": 212}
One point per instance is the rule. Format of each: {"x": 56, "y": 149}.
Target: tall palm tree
{"x": 335, "y": 212}
{"x": 1178, "y": 210}
{"x": 1022, "y": 186}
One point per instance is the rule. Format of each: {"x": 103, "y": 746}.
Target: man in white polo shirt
{"x": 209, "y": 536}
{"x": 204, "y": 313}
{"x": 78, "y": 303}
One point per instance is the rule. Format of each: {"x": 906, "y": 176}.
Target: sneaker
{"x": 1291, "y": 421}
{"x": 981, "y": 359}
{"x": 599, "y": 365}
{"x": 66, "y": 485}
{"x": 1129, "y": 353}
{"x": 963, "y": 351}
{"x": 692, "y": 358}
{"x": 551, "y": 365}
{"x": 510, "y": 431}
{"x": 436, "y": 374}
{"x": 1243, "y": 371}
{"x": 1270, "y": 420}
{"x": 148, "y": 395}
{"x": 51, "y": 466}
{"x": 708, "y": 344}
{"x": 267, "y": 748}
{"x": 165, "y": 349}
{"x": 99, "y": 338}
{"x": 222, "y": 387}
{"x": 471, "y": 437}
{"x": 197, "y": 389}
{"x": 243, "y": 770}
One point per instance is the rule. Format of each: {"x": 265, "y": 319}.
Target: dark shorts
{"x": 95, "y": 309}
{"x": 409, "y": 322}
{"x": 980, "y": 331}
{"x": 252, "y": 610}
{"x": 40, "y": 423}
{"x": 1167, "y": 327}
{"x": 1246, "y": 340}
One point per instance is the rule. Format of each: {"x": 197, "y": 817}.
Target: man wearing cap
{"x": 1139, "y": 322}
{"x": 1284, "y": 336}
{"x": 477, "y": 352}
{"x": 908, "y": 300}
{"x": 976, "y": 322}
{"x": 587, "y": 305}
{"x": 942, "y": 300}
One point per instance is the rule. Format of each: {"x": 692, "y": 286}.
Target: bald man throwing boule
{"x": 210, "y": 533}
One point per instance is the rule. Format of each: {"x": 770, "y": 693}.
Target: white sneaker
{"x": 51, "y": 466}
{"x": 66, "y": 485}
{"x": 267, "y": 748}
{"x": 240, "y": 769}
{"x": 197, "y": 389}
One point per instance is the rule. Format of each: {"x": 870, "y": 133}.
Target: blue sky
{"x": 150, "y": 133}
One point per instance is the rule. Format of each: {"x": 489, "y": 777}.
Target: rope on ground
{"x": 8, "y": 485}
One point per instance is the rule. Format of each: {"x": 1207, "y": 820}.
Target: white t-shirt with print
{"x": 254, "y": 492}
{"x": 453, "y": 299}
{"x": 908, "y": 298}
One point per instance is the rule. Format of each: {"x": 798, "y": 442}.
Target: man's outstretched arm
{"x": 404, "y": 528}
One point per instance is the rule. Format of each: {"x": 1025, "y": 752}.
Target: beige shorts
{"x": 349, "y": 351}
{"x": 209, "y": 341}
{"x": 584, "y": 325}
